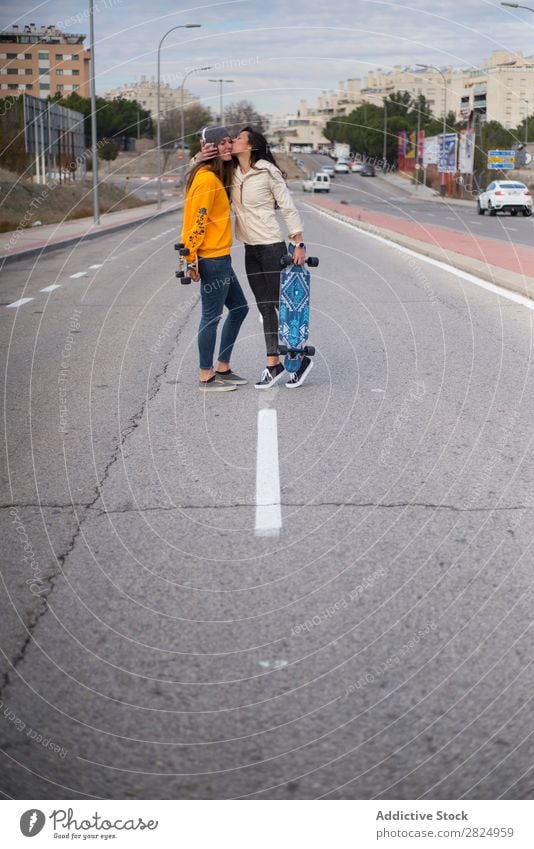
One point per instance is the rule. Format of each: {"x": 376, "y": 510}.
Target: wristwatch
{"x": 300, "y": 245}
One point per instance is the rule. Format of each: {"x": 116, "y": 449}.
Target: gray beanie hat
{"x": 214, "y": 135}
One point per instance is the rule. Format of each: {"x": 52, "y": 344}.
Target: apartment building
{"x": 43, "y": 62}
{"x": 145, "y": 92}
{"x": 501, "y": 89}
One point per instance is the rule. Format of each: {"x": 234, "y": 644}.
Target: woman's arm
{"x": 289, "y": 211}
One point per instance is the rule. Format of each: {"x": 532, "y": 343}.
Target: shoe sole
{"x": 221, "y": 387}
{"x": 230, "y": 382}
{"x": 273, "y": 382}
{"x": 302, "y": 379}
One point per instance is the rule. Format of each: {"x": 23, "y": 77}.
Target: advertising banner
{"x": 466, "y": 152}
{"x": 448, "y": 153}
{"x": 401, "y": 143}
{"x": 430, "y": 151}
{"x": 410, "y": 146}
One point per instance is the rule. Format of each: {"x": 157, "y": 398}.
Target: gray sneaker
{"x": 230, "y": 377}
{"x": 213, "y": 385}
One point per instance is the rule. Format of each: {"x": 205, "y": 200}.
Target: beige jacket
{"x": 253, "y": 197}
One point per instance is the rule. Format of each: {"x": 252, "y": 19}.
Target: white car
{"x": 328, "y": 169}
{"x": 505, "y": 195}
{"x": 319, "y": 183}
{"x": 356, "y": 166}
{"x": 341, "y": 166}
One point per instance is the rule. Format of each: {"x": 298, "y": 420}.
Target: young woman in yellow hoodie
{"x": 207, "y": 233}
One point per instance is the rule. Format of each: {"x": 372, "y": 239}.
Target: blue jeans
{"x": 219, "y": 287}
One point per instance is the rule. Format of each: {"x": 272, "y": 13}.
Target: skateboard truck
{"x": 182, "y": 272}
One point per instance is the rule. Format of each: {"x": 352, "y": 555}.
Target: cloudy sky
{"x": 280, "y": 51}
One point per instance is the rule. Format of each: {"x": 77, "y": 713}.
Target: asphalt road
{"x": 379, "y": 195}
{"x": 155, "y": 646}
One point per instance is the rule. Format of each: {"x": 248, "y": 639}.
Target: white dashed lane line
{"x": 51, "y": 288}
{"x": 98, "y": 265}
{"x": 78, "y": 274}
{"x": 18, "y": 303}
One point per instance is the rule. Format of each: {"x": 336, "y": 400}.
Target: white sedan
{"x": 341, "y": 166}
{"x": 505, "y": 196}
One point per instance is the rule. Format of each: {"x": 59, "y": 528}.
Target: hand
{"x": 207, "y": 151}
{"x": 299, "y": 256}
{"x": 193, "y": 274}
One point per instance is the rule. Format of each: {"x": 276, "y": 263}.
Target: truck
{"x": 341, "y": 150}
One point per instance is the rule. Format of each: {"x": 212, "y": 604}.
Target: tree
{"x": 13, "y": 156}
{"x": 195, "y": 118}
{"x": 117, "y": 119}
{"x": 242, "y": 114}
{"x": 108, "y": 150}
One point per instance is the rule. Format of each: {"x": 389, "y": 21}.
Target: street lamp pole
{"x": 426, "y": 67}
{"x": 385, "y": 144}
{"x": 158, "y": 115}
{"x": 96, "y": 203}
{"x": 182, "y": 137}
{"x": 221, "y": 96}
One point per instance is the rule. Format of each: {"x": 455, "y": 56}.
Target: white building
{"x": 145, "y": 91}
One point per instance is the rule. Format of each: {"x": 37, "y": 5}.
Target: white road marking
{"x": 268, "y": 509}
{"x": 463, "y": 275}
{"x": 378, "y": 390}
{"x": 510, "y": 228}
{"x": 78, "y": 274}
{"x": 51, "y": 288}
{"x": 273, "y": 664}
{"x": 98, "y": 265}
{"x": 431, "y": 215}
{"x": 18, "y": 303}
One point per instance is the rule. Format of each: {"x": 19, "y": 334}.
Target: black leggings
{"x": 262, "y": 264}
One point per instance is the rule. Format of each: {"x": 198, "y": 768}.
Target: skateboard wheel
{"x": 309, "y": 350}
{"x": 287, "y": 260}
{"x": 182, "y": 277}
{"x": 178, "y": 246}
{"x": 313, "y": 261}
{"x": 282, "y": 349}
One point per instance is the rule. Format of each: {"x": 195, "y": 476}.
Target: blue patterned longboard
{"x": 294, "y": 313}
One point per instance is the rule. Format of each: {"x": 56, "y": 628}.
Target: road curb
{"x": 518, "y": 283}
{"x": 6, "y": 259}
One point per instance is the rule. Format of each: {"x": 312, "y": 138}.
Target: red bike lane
{"x": 518, "y": 259}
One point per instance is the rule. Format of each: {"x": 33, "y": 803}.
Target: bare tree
{"x": 241, "y": 114}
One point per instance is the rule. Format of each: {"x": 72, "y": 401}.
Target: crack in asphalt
{"x": 377, "y": 505}
{"x": 48, "y": 586}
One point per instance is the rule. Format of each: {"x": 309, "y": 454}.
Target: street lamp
{"x": 526, "y": 119}
{"x": 192, "y": 71}
{"x": 96, "y": 203}
{"x": 221, "y": 94}
{"x": 158, "y": 118}
{"x": 385, "y": 144}
{"x": 517, "y": 6}
{"x": 425, "y": 68}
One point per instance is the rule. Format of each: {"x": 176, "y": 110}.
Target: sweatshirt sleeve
{"x": 198, "y": 203}
{"x": 282, "y": 196}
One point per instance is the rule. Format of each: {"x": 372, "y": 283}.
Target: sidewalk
{"x": 501, "y": 263}
{"x": 421, "y": 192}
{"x": 36, "y": 240}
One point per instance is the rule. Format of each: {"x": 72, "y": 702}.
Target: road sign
{"x": 501, "y": 160}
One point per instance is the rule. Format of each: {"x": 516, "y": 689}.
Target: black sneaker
{"x": 213, "y": 385}
{"x": 300, "y": 376}
{"x": 230, "y": 377}
{"x": 270, "y": 376}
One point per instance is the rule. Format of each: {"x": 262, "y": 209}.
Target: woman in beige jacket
{"x": 258, "y": 188}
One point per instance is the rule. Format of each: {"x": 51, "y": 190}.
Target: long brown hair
{"x": 222, "y": 170}
{"x": 260, "y": 149}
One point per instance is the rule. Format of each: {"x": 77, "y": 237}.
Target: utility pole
{"x": 221, "y": 121}
{"x": 96, "y": 202}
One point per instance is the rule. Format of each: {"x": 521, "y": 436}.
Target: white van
{"x": 318, "y": 183}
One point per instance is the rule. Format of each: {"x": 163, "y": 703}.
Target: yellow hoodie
{"x": 207, "y": 230}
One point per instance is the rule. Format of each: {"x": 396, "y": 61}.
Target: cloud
{"x": 279, "y": 53}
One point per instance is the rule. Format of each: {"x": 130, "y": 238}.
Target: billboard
{"x": 466, "y": 151}
{"x": 430, "y": 151}
{"x": 448, "y": 153}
